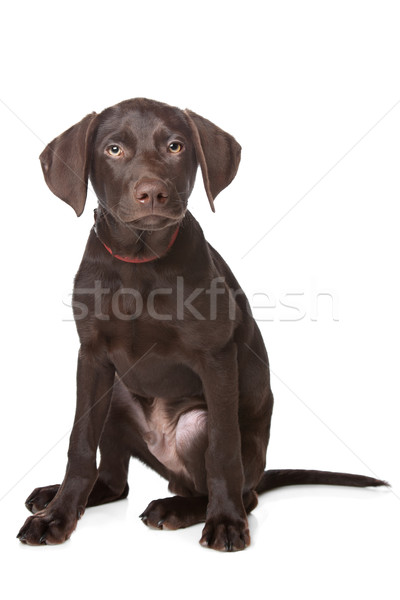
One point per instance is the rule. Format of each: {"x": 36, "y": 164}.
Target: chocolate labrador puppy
{"x": 172, "y": 368}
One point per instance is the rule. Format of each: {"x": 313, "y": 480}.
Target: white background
{"x": 311, "y": 91}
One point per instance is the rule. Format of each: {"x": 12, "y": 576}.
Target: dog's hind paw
{"x": 40, "y": 498}
{"x": 176, "y": 512}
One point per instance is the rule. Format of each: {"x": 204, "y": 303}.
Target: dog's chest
{"x": 198, "y": 305}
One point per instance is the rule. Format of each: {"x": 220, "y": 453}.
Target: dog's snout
{"x": 152, "y": 191}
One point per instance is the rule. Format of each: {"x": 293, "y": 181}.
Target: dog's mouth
{"x": 154, "y": 222}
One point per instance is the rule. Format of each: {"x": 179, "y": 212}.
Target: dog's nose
{"x": 151, "y": 190}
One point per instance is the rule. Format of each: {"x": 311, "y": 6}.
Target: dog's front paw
{"x": 226, "y": 534}
{"x": 48, "y": 526}
{"x": 40, "y": 498}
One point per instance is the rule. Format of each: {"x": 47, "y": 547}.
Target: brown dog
{"x": 172, "y": 368}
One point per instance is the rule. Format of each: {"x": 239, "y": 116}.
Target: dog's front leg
{"x": 226, "y": 525}
{"x": 55, "y": 523}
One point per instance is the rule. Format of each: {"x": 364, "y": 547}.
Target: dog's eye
{"x": 175, "y": 147}
{"x": 114, "y": 150}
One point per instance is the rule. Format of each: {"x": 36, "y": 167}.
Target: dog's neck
{"x": 131, "y": 244}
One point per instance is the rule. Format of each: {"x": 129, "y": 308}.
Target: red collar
{"x": 142, "y": 260}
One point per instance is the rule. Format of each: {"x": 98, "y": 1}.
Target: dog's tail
{"x": 281, "y": 477}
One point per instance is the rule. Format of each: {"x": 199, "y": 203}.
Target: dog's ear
{"x": 218, "y": 154}
{"x": 66, "y": 161}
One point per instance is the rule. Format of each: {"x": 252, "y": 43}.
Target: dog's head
{"x": 141, "y": 157}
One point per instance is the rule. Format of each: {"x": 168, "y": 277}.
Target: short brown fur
{"x": 183, "y": 386}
